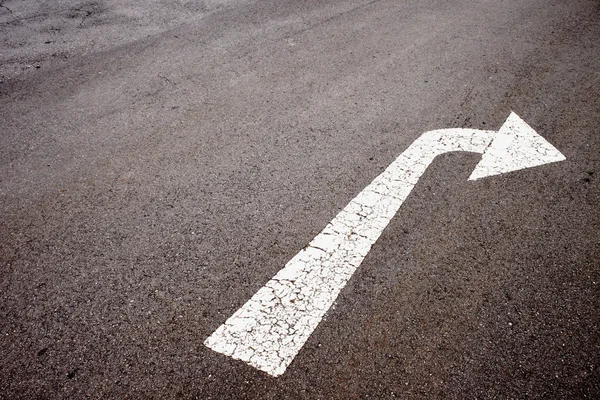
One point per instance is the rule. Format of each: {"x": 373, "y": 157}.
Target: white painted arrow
{"x": 268, "y": 331}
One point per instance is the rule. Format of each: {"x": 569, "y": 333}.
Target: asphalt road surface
{"x": 161, "y": 161}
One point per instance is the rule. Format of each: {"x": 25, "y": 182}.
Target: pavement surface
{"x": 161, "y": 161}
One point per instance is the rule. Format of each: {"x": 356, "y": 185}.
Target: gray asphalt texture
{"x": 161, "y": 161}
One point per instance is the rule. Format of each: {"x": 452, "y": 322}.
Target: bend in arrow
{"x": 270, "y": 329}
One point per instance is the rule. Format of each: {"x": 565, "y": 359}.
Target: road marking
{"x": 270, "y": 329}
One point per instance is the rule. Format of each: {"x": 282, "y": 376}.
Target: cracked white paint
{"x": 516, "y": 146}
{"x": 268, "y": 331}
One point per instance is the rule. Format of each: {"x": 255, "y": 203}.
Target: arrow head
{"x": 515, "y": 146}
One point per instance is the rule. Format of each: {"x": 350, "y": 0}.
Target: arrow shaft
{"x": 268, "y": 331}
